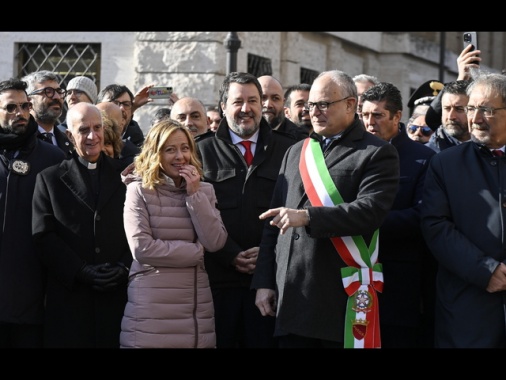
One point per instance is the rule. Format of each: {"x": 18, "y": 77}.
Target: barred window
{"x": 259, "y": 66}
{"x": 307, "y": 76}
{"x": 65, "y": 59}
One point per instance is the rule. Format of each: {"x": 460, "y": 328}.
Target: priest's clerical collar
{"x": 87, "y": 164}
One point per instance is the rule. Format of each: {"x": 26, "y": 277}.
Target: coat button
{"x": 97, "y": 250}
{"x": 296, "y": 236}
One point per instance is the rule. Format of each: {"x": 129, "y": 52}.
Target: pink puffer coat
{"x": 169, "y": 299}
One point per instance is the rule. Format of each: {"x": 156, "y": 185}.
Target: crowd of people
{"x": 310, "y": 217}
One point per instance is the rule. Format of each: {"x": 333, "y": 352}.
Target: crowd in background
{"x": 303, "y": 217}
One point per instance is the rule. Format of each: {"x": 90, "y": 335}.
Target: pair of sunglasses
{"x": 12, "y": 107}
{"x": 426, "y": 131}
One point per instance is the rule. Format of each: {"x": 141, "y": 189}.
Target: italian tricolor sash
{"x": 363, "y": 276}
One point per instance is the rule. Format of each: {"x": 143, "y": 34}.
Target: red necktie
{"x": 498, "y": 152}
{"x": 248, "y": 156}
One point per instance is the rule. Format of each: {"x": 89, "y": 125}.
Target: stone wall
{"x": 194, "y": 63}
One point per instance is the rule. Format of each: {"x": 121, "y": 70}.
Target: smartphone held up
{"x": 160, "y": 92}
{"x": 471, "y": 38}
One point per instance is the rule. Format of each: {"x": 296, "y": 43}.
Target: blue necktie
{"x": 326, "y": 143}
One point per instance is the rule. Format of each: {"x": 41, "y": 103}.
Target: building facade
{"x": 195, "y": 63}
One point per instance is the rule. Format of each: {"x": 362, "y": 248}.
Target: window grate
{"x": 259, "y": 66}
{"x": 67, "y": 60}
{"x": 307, "y": 76}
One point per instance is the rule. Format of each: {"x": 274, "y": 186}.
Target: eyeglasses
{"x": 323, "y": 106}
{"x": 75, "y": 92}
{"x": 12, "y": 108}
{"x": 487, "y": 111}
{"x": 426, "y": 131}
{"x": 49, "y": 92}
{"x": 126, "y": 105}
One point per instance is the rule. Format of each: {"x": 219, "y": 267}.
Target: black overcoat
{"x": 402, "y": 250}
{"x": 302, "y": 264}
{"x": 71, "y": 230}
{"x": 22, "y": 275}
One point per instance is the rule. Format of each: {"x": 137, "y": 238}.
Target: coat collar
{"x": 73, "y": 174}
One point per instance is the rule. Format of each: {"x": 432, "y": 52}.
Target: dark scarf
{"x": 13, "y": 141}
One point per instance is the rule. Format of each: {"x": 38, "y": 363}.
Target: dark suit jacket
{"x": 303, "y": 265}
{"x": 62, "y": 141}
{"x": 128, "y": 153}
{"x": 133, "y": 132}
{"x": 463, "y": 222}
{"x": 402, "y": 249}
{"x": 242, "y": 195}
{"x": 289, "y": 127}
{"x": 71, "y": 231}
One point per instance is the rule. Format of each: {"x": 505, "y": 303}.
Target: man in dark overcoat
{"x": 463, "y": 222}
{"x": 78, "y": 224}
{"x": 22, "y": 276}
{"x": 298, "y": 276}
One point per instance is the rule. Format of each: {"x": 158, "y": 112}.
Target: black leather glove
{"x": 103, "y": 277}
{"x": 117, "y": 275}
{"x": 92, "y": 275}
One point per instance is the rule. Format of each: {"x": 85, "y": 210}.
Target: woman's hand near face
{"x": 192, "y": 178}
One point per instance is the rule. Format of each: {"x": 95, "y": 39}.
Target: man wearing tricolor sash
{"x": 317, "y": 269}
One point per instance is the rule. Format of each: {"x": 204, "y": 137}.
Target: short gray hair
{"x": 493, "y": 82}
{"x": 361, "y": 78}
{"x": 38, "y": 77}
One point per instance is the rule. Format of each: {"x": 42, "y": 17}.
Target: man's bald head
{"x": 115, "y": 113}
{"x": 76, "y": 113}
{"x": 191, "y": 112}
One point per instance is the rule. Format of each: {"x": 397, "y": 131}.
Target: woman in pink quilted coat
{"x": 170, "y": 218}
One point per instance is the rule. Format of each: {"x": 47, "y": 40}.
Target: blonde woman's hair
{"x": 111, "y": 134}
{"x": 147, "y": 162}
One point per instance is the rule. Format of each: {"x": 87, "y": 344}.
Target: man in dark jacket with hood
{"x": 22, "y": 278}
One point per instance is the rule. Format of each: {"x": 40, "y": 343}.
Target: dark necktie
{"x": 498, "y": 152}
{"x": 326, "y": 143}
{"x": 46, "y": 136}
{"x": 248, "y": 156}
